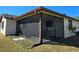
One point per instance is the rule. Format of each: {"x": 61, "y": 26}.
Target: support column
{"x": 40, "y": 29}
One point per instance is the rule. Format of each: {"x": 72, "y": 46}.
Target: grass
{"x": 25, "y": 43}
{"x": 54, "y": 48}
{"x": 7, "y": 45}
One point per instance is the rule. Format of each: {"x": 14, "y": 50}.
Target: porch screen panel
{"x": 48, "y": 25}
{"x": 30, "y": 27}
{"x": 59, "y": 27}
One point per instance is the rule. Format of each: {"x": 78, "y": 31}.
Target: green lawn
{"x": 6, "y": 44}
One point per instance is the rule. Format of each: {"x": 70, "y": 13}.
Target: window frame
{"x": 70, "y": 23}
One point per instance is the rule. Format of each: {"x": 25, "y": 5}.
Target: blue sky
{"x": 19, "y": 10}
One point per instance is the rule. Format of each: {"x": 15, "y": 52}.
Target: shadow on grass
{"x": 71, "y": 41}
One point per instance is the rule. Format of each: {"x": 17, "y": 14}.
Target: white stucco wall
{"x": 3, "y": 30}
{"x": 67, "y": 32}
{"x": 10, "y": 27}
{"x": 0, "y": 26}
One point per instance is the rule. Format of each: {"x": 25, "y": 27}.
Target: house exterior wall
{"x": 30, "y": 26}
{"x": 67, "y": 32}
{"x": 10, "y": 27}
{"x": 3, "y": 30}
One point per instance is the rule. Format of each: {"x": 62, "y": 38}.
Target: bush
{"x": 73, "y": 28}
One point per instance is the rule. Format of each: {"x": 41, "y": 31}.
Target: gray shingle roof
{"x": 9, "y": 16}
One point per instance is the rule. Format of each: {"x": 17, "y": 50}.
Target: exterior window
{"x": 49, "y": 23}
{"x": 2, "y": 25}
{"x": 70, "y": 23}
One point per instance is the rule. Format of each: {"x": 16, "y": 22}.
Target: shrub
{"x": 73, "y": 28}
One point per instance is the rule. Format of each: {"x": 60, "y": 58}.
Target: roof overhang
{"x": 45, "y": 11}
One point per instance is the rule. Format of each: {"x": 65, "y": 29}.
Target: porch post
{"x": 40, "y": 29}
